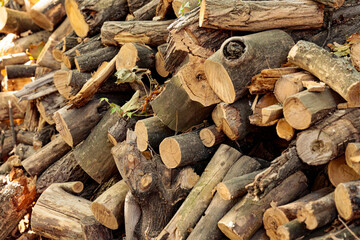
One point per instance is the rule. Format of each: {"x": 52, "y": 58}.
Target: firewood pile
{"x": 179, "y": 119}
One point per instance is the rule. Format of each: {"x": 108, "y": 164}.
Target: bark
{"x": 136, "y": 4}
{"x": 352, "y": 155}
{"x": 229, "y": 70}
{"x": 30, "y": 88}
{"x": 132, "y": 214}
{"x": 18, "y": 109}
{"x": 20, "y": 71}
{"x": 211, "y": 136}
{"x": 48, "y": 14}
{"x": 17, "y": 58}
{"x": 292, "y": 230}
{"x": 31, "y": 120}
{"x": 13, "y": 21}
{"x": 43, "y": 136}
{"x": 49, "y": 104}
{"x": 146, "y": 12}
{"x": 90, "y": 61}
{"x": 132, "y": 54}
{"x": 346, "y": 200}
{"x": 117, "y": 133}
{"x": 339, "y": 172}
{"x": 344, "y": 233}
{"x": 160, "y": 60}
{"x": 93, "y": 230}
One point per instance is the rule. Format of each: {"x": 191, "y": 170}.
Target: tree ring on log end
{"x": 297, "y": 114}
{"x": 142, "y": 136}
{"x": 342, "y": 196}
{"x": 3, "y": 17}
{"x": 207, "y": 137}
{"x": 100, "y": 211}
{"x": 354, "y": 93}
{"x": 77, "y": 20}
{"x": 223, "y": 191}
{"x": 170, "y": 152}
{"x": 131, "y": 53}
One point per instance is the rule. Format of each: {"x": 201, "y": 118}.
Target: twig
{"x": 346, "y": 226}
{"x": 12, "y": 124}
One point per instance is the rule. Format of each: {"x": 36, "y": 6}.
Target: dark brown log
{"x": 352, "y": 156}
{"x": 339, "y": 172}
{"x": 87, "y": 17}
{"x": 346, "y": 200}
{"x": 211, "y": 136}
{"x": 90, "y": 61}
{"x": 136, "y": 4}
{"x": 132, "y": 54}
{"x": 152, "y": 33}
{"x": 117, "y": 133}
{"x": 327, "y": 139}
{"x": 17, "y": 58}
{"x": 47, "y": 155}
{"x": 146, "y": 12}
{"x": 292, "y": 230}
{"x": 48, "y": 105}
{"x": 256, "y": 16}
{"x": 43, "y": 136}
{"x": 18, "y": 109}
{"x": 48, "y": 14}
{"x": 20, "y": 71}
{"x": 224, "y": 68}
{"x": 93, "y": 230}
{"x": 13, "y": 21}
{"x": 184, "y": 149}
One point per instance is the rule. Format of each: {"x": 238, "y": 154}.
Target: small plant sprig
{"x": 186, "y": 4}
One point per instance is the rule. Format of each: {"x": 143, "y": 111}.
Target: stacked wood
{"x": 346, "y": 196}
{"x": 117, "y": 133}
{"x": 340, "y": 172}
{"x": 211, "y": 136}
{"x": 266, "y": 101}
{"x": 18, "y": 109}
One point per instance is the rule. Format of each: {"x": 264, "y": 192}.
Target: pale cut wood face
{"x": 3, "y": 17}
{"x": 76, "y": 18}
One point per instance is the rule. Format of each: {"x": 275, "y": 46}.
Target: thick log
{"x": 352, "y": 154}
{"x": 90, "y": 61}
{"x": 151, "y": 132}
{"x": 132, "y": 54}
{"x": 200, "y": 197}
{"x": 13, "y": 21}
{"x": 51, "y": 152}
{"x": 20, "y": 71}
{"x": 184, "y": 149}
{"x": 319, "y": 212}
{"x": 211, "y": 136}
{"x": 327, "y": 140}
{"x": 49, "y": 104}
{"x": 108, "y": 208}
{"x": 256, "y": 16}
{"x": 291, "y": 230}
{"x": 117, "y": 133}
{"x": 146, "y": 12}
{"x": 17, "y": 58}
{"x": 284, "y": 130}
{"x": 346, "y": 200}
{"x": 276, "y": 216}
{"x": 230, "y": 68}
{"x": 160, "y": 60}
{"x": 58, "y": 212}
{"x": 87, "y": 17}
{"x": 173, "y": 104}
{"x": 93, "y": 230}
{"x": 152, "y": 33}
{"x": 18, "y": 108}
{"x": 48, "y": 14}
{"x": 245, "y": 218}
{"x": 343, "y": 78}
{"x": 339, "y": 172}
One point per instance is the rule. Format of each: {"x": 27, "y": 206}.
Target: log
{"x": 345, "y": 233}
{"x": 180, "y": 9}
{"x": 254, "y": 16}
{"x": 43, "y": 136}
{"x": 24, "y": 151}
{"x": 211, "y": 136}
{"x": 132, "y": 214}
{"x": 108, "y": 208}
{"x": 51, "y": 152}
{"x": 303, "y": 109}
{"x": 224, "y": 68}
{"x": 292, "y": 230}
{"x": 331, "y": 3}
{"x": 117, "y": 133}
{"x": 32, "y": 87}
{"x": 20, "y": 71}
{"x": 185, "y": 149}
{"x": 319, "y": 212}
{"x": 313, "y": 86}
{"x": 152, "y": 33}
{"x": 199, "y": 198}
{"x": 58, "y": 212}
{"x": 90, "y": 61}
{"x": 41, "y": 71}
{"x": 17, "y": 58}
{"x": 87, "y": 17}
{"x": 48, "y": 105}
{"x": 276, "y": 216}
{"x": 146, "y": 12}
{"x": 271, "y": 113}
{"x": 151, "y": 132}
{"x": 352, "y": 156}
{"x": 60, "y": 83}
{"x": 278, "y": 72}
{"x": 136, "y": 4}
{"x": 132, "y": 54}
{"x": 245, "y": 218}
{"x": 339, "y": 172}
{"x": 261, "y": 85}
{"x": 93, "y": 230}
{"x": 346, "y": 200}
{"x": 18, "y": 109}
{"x": 173, "y": 104}
{"x": 160, "y": 60}
{"x": 284, "y": 130}
{"x": 355, "y": 55}
{"x": 327, "y": 140}
{"x": 13, "y": 21}
{"x": 48, "y": 14}
{"x": 343, "y": 78}
{"x": 163, "y": 8}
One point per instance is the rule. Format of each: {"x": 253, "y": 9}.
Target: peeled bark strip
{"x": 173, "y": 104}
{"x": 47, "y": 14}
{"x": 229, "y": 70}
{"x": 108, "y": 208}
{"x": 197, "y": 201}
{"x": 20, "y": 71}
{"x": 352, "y": 156}
{"x": 152, "y": 33}
{"x": 342, "y": 78}
{"x": 132, "y": 54}
{"x": 146, "y": 12}
{"x": 58, "y": 213}
{"x": 182, "y": 150}
{"x": 301, "y": 110}
{"x": 117, "y": 133}
{"x": 245, "y": 218}
{"x": 346, "y": 199}
{"x": 340, "y": 172}
{"x": 291, "y": 230}
{"x": 92, "y": 60}
{"x": 87, "y": 17}
{"x": 49, "y": 104}
{"x": 319, "y": 212}
{"x": 328, "y": 139}
{"x": 256, "y": 16}
{"x": 93, "y": 230}
{"x": 284, "y": 130}
{"x": 276, "y": 216}
{"x": 211, "y": 136}
{"x": 51, "y": 152}
{"x": 150, "y": 132}
{"x": 13, "y": 21}
{"x": 132, "y": 214}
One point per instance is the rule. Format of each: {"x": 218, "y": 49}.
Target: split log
{"x": 173, "y": 104}
{"x": 17, "y": 58}
{"x": 90, "y": 61}
{"x": 276, "y": 216}
{"x": 343, "y": 78}
{"x": 284, "y": 130}
{"x": 163, "y": 8}
{"x": 245, "y": 218}
{"x": 256, "y": 16}
{"x": 60, "y": 83}
{"x": 41, "y": 71}
{"x": 150, "y": 132}
{"x": 303, "y": 109}
{"x": 146, "y": 12}
{"x": 346, "y": 199}
{"x": 48, "y": 14}
{"x": 132, "y": 54}
{"x": 339, "y": 172}
{"x": 292, "y": 230}
{"x": 352, "y": 156}
{"x": 13, "y": 21}
{"x": 313, "y": 86}
{"x": 327, "y": 140}
{"x": 49, "y": 104}
{"x": 108, "y": 208}
{"x": 87, "y": 17}
{"x": 318, "y": 213}
{"x": 51, "y": 152}
{"x": 245, "y": 56}
{"x": 18, "y": 109}
{"x": 199, "y": 198}
{"x": 93, "y": 230}
{"x": 20, "y": 71}
{"x": 265, "y": 101}
{"x": 152, "y": 33}
{"x": 262, "y": 85}
{"x": 160, "y": 60}
{"x": 271, "y": 113}
{"x": 184, "y": 149}
{"x": 211, "y": 136}
{"x": 57, "y": 213}
{"x": 331, "y": 3}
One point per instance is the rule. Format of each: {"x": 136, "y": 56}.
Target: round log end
{"x": 284, "y": 130}
{"x": 207, "y": 137}
{"x": 41, "y": 20}
{"x": 112, "y": 139}
{"x": 142, "y": 136}
{"x": 296, "y": 114}
{"x": 311, "y": 221}
{"x": 223, "y": 191}
{"x": 272, "y": 219}
{"x": 77, "y": 187}
{"x": 63, "y": 129}
{"x": 340, "y": 172}
{"x": 57, "y": 54}
{"x": 66, "y": 61}
{"x": 284, "y": 88}
{"x": 104, "y": 216}
{"x": 226, "y": 228}
{"x": 220, "y": 81}
{"x": 170, "y": 152}
{"x": 352, "y": 156}
{"x": 343, "y": 202}
{"x": 77, "y": 20}
{"x": 282, "y": 233}
{"x": 127, "y": 57}
{"x": 353, "y": 95}
{"x": 3, "y": 18}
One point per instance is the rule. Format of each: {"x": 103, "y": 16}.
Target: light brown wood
{"x": 271, "y": 113}
{"x": 211, "y": 136}
{"x": 332, "y": 3}
{"x": 13, "y": 21}
{"x": 146, "y": 12}
{"x": 284, "y": 130}
{"x": 160, "y": 61}
{"x": 132, "y": 54}
{"x": 48, "y": 14}
{"x": 313, "y": 86}
{"x": 352, "y": 156}
{"x": 18, "y": 108}
{"x": 340, "y": 172}
{"x": 17, "y": 58}
{"x": 90, "y": 61}
{"x": 60, "y": 83}
{"x": 49, "y": 104}
{"x": 261, "y": 85}
{"x": 346, "y": 195}
{"x": 355, "y": 55}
